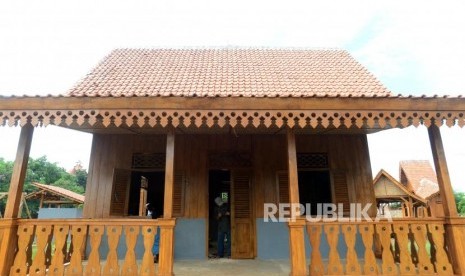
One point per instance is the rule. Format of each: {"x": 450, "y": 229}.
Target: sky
{"x": 412, "y": 47}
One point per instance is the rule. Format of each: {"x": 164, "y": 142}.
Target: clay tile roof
{"x": 229, "y": 72}
{"x": 419, "y": 176}
{"x": 61, "y": 192}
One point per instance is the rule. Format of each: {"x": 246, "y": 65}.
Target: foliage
{"x": 460, "y": 201}
{"x": 42, "y": 171}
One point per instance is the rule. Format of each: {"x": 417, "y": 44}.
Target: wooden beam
{"x": 219, "y": 103}
{"x": 169, "y": 175}
{"x": 442, "y": 172}
{"x": 59, "y": 202}
{"x": 454, "y": 226}
{"x": 10, "y": 238}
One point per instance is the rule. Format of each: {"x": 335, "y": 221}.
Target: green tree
{"x": 460, "y": 201}
{"x": 81, "y": 178}
{"x": 42, "y": 171}
{"x": 45, "y": 172}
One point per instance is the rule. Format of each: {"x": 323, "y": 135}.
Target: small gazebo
{"x": 54, "y": 196}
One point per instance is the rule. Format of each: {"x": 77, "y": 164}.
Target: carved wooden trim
{"x": 145, "y": 118}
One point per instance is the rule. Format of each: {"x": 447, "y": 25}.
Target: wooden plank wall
{"x": 345, "y": 152}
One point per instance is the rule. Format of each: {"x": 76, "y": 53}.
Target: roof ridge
{"x": 234, "y": 47}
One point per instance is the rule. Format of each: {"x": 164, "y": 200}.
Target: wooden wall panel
{"x": 269, "y": 157}
{"x": 268, "y": 153}
{"x": 91, "y": 185}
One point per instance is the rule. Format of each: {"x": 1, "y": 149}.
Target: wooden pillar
{"x": 169, "y": 175}
{"x": 10, "y": 238}
{"x": 297, "y": 226}
{"x": 442, "y": 172}
{"x": 454, "y": 226}
{"x": 410, "y": 208}
{"x": 167, "y": 230}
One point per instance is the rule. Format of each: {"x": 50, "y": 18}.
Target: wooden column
{"x": 296, "y": 227}
{"x": 445, "y": 187}
{"x": 10, "y": 238}
{"x": 169, "y": 175}
{"x": 454, "y": 226}
{"x": 167, "y": 230}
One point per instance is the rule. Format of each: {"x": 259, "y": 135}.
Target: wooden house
{"x": 177, "y": 127}
{"x": 389, "y": 192}
{"x": 419, "y": 177}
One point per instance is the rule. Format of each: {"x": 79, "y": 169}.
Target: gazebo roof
{"x": 397, "y": 184}
{"x": 62, "y": 192}
{"x": 229, "y": 72}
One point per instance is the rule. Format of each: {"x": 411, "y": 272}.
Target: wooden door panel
{"x": 242, "y": 227}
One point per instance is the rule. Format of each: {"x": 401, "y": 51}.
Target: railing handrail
{"x": 105, "y": 221}
{"x": 347, "y": 221}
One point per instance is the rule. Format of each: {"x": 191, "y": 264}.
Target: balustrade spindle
{"x": 113, "y": 234}
{"x": 93, "y": 265}
{"x": 425, "y": 267}
{"x": 352, "y": 264}
{"x": 42, "y": 236}
{"x": 60, "y": 234}
{"x": 316, "y": 262}
{"x": 406, "y": 265}
{"x": 20, "y": 265}
{"x": 369, "y": 267}
{"x": 147, "y": 266}
{"x": 75, "y": 266}
{"x": 388, "y": 265}
{"x": 334, "y": 261}
{"x": 130, "y": 265}
{"x": 441, "y": 261}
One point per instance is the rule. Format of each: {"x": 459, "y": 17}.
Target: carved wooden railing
{"x": 59, "y": 246}
{"x": 400, "y": 247}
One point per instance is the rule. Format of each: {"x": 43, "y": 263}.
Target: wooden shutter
{"x": 120, "y": 192}
{"x": 242, "y": 226}
{"x": 241, "y": 196}
{"x": 178, "y": 194}
{"x": 282, "y": 179}
{"x": 341, "y": 192}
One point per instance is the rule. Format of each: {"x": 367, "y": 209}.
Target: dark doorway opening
{"x": 314, "y": 188}
{"x": 155, "y": 191}
{"x": 219, "y": 185}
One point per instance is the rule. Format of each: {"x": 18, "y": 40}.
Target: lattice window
{"x": 229, "y": 160}
{"x": 312, "y": 160}
{"x": 148, "y": 161}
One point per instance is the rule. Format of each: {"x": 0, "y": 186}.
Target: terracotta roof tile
{"x": 419, "y": 176}
{"x": 229, "y": 72}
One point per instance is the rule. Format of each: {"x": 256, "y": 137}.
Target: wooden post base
{"x": 297, "y": 247}
{"x": 166, "y": 247}
{"x": 455, "y": 239}
{"x": 8, "y": 245}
